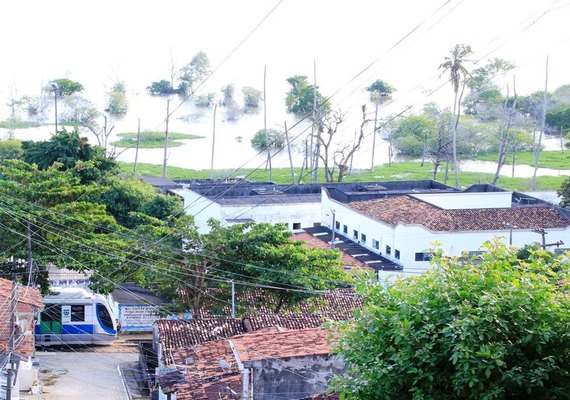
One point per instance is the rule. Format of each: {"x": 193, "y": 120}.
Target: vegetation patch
{"x": 394, "y": 172}
{"x": 11, "y": 124}
{"x": 548, "y": 159}
{"x": 153, "y": 139}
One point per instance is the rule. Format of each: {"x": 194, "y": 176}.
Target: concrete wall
{"x": 293, "y": 378}
{"x": 304, "y": 214}
{"x": 455, "y": 201}
{"x": 202, "y": 208}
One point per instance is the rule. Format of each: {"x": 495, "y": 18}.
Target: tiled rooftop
{"x": 286, "y": 344}
{"x": 24, "y": 294}
{"x": 407, "y": 210}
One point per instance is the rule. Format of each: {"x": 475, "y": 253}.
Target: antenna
{"x": 224, "y": 365}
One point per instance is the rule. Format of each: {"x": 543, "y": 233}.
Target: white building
{"x": 404, "y": 228}
{"x": 232, "y": 204}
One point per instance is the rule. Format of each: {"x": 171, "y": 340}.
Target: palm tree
{"x": 454, "y": 64}
{"x": 380, "y": 92}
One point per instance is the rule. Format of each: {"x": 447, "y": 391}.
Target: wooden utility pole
{"x": 166, "y": 139}
{"x": 138, "y": 144}
{"x": 213, "y": 143}
{"x": 268, "y": 145}
{"x": 542, "y": 128}
{"x": 312, "y": 150}
{"x": 374, "y": 135}
{"x": 289, "y": 151}
{"x": 10, "y": 364}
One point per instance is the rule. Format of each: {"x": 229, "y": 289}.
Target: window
{"x": 363, "y": 238}
{"x": 424, "y": 256}
{"x": 345, "y": 229}
{"x": 337, "y": 226}
{"x": 287, "y": 225}
{"x": 397, "y": 254}
{"x": 388, "y": 250}
{"x": 296, "y": 225}
{"x": 77, "y": 313}
{"x": 52, "y": 312}
{"x": 104, "y": 316}
{"x": 316, "y": 224}
{"x": 376, "y": 244}
{"x": 355, "y": 234}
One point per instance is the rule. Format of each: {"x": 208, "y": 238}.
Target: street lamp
{"x": 55, "y": 88}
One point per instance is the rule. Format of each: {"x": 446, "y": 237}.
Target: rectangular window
{"x": 337, "y": 226}
{"x": 397, "y": 254}
{"x": 424, "y": 256}
{"x": 296, "y": 225}
{"x": 376, "y": 244}
{"x": 316, "y": 224}
{"x": 287, "y": 225}
{"x": 77, "y": 313}
{"x": 355, "y": 234}
{"x": 388, "y": 250}
{"x": 363, "y": 238}
{"x": 345, "y": 229}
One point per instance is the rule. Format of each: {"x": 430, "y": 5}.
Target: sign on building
{"x": 137, "y": 317}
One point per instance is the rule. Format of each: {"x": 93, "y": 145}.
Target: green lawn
{"x": 152, "y": 139}
{"x": 397, "y": 171}
{"x": 548, "y": 159}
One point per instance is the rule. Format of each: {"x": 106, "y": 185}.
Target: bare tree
{"x": 343, "y": 155}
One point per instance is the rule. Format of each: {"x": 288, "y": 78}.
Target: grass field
{"x": 395, "y": 172}
{"x": 152, "y": 139}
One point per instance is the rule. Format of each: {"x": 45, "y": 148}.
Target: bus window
{"x": 77, "y": 313}
{"x": 104, "y": 317}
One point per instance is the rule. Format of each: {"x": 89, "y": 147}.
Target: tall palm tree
{"x": 380, "y": 92}
{"x": 455, "y": 65}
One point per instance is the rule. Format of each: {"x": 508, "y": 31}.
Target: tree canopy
{"x": 491, "y": 328}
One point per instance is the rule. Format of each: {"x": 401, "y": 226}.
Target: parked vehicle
{"x": 75, "y": 316}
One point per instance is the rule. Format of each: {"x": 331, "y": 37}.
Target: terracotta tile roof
{"x": 204, "y": 377}
{"x": 260, "y": 301}
{"x": 24, "y": 294}
{"x": 315, "y": 242}
{"x": 178, "y": 334}
{"x": 256, "y": 322}
{"x": 294, "y": 343}
{"x": 408, "y": 210}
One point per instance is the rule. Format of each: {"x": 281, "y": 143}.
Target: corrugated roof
{"x": 408, "y": 210}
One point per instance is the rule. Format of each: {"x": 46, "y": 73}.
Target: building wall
{"x": 202, "y": 208}
{"x": 295, "y": 215}
{"x": 401, "y": 242}
{"x": 456, "y": 201}
{"x": 293, "y": 378}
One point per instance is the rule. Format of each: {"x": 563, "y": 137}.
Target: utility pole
{"x": 312, "y": 153}
{"x": 542, "y": 129}
{"x": 233, "y": 299}
{"x": 166, "y": 139}
{"x": 267, "y": 144}
{"x": 289, "y": 151}
{"x": 30, "y": 260}
{"x": 333, "y": 228}
{"x": 543, "y": 233}
{"x": 10, "y": 364}
{"x": 213, "y": 143}
{"x": 138, "y": 144}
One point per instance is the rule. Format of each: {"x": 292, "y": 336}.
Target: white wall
{"x": 412, "y": 239}
{"x": 455, "y": 201}
{"x": 305, "y": 214}
{"x": 202, "y": 208}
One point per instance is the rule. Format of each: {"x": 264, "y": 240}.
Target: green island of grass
{"x": 152, "y": 139}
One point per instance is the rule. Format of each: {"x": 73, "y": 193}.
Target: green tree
{"x": 380, "y": 92}
{"x": 251, "y": 97}
{"x": 414, "y": 135}
{"x": 302, "y": 96}
{"x": 117, "y": 103}
{"x": 492, "y": 328}
{"x": 454, "y": 64}
{"x": 275, "y": 139}
{"x": 10, "y": 149}
{"x": 194, "y": 72}
{"x": 73, "y": 153}
{"x": 161, "y": 88}
{"x": 64, "y": 87}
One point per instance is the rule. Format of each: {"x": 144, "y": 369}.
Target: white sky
{"x": 100, "y": 41}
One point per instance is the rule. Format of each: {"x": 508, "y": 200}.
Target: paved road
{"x": 80, "y": 375}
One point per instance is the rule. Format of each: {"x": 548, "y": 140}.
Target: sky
{"x": 349, "y": 44}
{"x": 137, "y": 41}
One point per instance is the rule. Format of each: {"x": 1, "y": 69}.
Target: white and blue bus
{"x": 75, "y": 316}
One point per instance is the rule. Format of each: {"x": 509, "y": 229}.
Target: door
{"x": 51, "y": 319}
